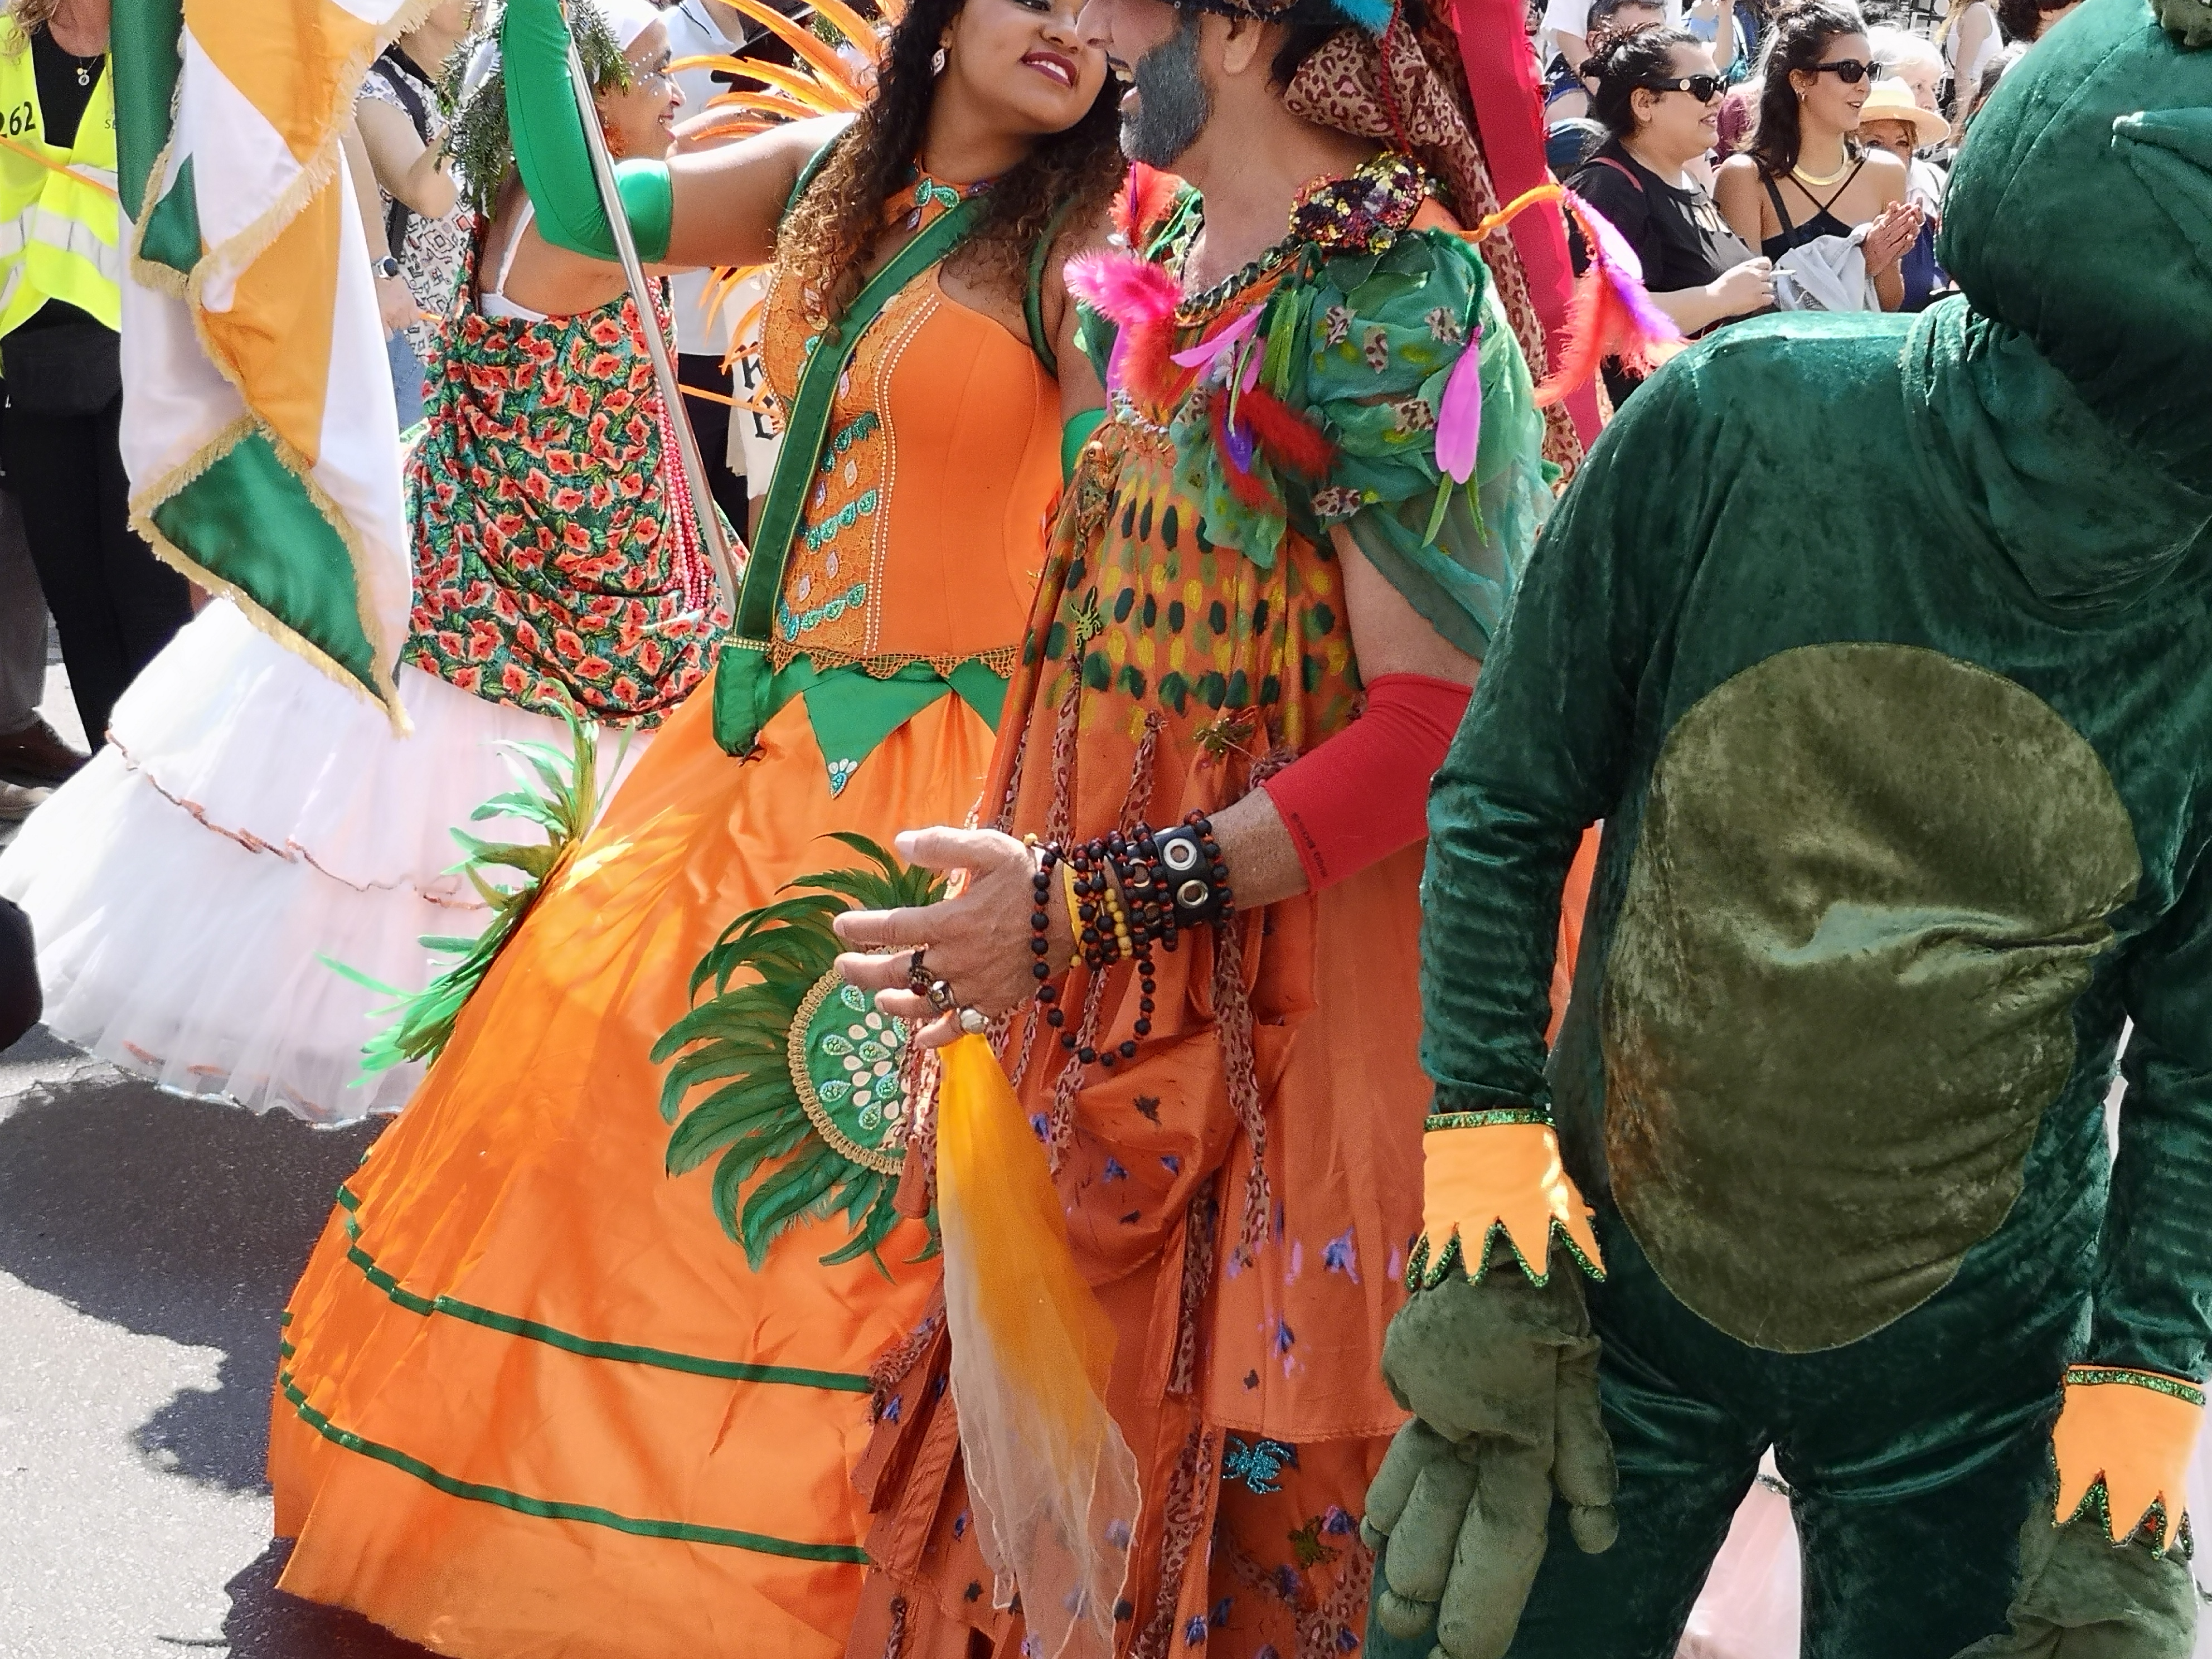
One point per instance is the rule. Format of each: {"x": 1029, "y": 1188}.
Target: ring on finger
{"x": 973, "y": 1021}
{"x": 917, "y": 973}
{"x": 940, "y": 997}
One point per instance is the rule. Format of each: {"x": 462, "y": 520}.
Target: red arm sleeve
{"x": 1364, "y": 794}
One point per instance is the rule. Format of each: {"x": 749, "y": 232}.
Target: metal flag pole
{"x": 663, "y": 371}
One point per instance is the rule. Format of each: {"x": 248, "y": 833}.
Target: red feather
{"x": 1291, "y": 442}
{"x": 1148, "y": 368}
{"x": 1143, "y": 200}
{"x": 1596, "y": 318}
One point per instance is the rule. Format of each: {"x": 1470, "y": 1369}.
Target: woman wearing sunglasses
{"x": 1659, "y": 97}
{"x": 1805, "y": 175}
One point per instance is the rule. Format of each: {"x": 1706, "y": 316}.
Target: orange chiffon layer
{"x": 532, "y": 1402}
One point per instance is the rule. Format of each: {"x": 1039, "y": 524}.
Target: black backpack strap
{"x": 389, "y": 70}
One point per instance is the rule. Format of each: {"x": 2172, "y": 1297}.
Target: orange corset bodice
{"x": 923, "y": 532}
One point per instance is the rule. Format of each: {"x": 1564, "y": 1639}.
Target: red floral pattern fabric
{"x": 557, "y": 562}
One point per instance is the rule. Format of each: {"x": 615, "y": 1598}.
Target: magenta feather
{"x": 1459, "y": 414}
{"x": 1139, "y": 299}
{"x": 1124, "y": 288}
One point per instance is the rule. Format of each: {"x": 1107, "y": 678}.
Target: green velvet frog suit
{"x": 1882, "y": 647}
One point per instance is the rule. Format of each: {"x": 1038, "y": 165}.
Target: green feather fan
{"x": 794, "y": 1065}
{"x": 564, "y": 803}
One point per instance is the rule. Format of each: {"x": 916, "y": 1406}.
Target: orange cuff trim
{"x": 2158, "y": 1382}
{"x": 2122, "y": 1445}
{"x": 1488, "y": 1174}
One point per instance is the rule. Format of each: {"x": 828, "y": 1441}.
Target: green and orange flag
{"x": 258, "y": 424}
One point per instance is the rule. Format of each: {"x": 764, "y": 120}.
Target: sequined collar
{"x": 1362, "y": 211}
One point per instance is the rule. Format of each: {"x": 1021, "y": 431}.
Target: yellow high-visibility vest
{"x": 60, "y": 228}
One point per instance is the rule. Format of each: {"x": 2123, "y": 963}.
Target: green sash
{"x": 744, "y": 690}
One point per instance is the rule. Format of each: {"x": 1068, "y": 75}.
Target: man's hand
{"x": 978, "y": 941}
{"x": 1501, "y": 1376}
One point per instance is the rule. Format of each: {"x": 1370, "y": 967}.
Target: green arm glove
{"x": 549, "y": 149}
{"x": 1074, "y": 435}
{"x": 1502, "y": 1378}
{"x": 2081, "y": 1598}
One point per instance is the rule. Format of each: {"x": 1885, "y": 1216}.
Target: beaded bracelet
{"x": 1123, "y": 897}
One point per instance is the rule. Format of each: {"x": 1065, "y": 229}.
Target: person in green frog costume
{"x": 1882, "y": 646}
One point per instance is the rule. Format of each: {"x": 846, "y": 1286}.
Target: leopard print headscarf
{"x": 1407, "y": 88}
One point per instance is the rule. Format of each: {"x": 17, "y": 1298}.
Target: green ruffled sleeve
{"x": 1381, "y": 335}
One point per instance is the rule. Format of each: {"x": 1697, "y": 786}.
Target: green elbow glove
{"x": 1074, "y": 435}
{"x": 549, "y": 149}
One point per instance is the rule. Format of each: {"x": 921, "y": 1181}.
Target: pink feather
{"x": 1139, "y": 299}
{"x": 1459, "y": 416}
{"x": 1124, "y": 288}
{"x": 1205, "y": 354}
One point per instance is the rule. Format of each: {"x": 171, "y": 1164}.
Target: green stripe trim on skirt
{"x": 733, "y": 1370}
{"x": 587, "y": 1514}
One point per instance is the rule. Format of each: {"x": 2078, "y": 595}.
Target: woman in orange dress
{"x": 534, "y": 1399}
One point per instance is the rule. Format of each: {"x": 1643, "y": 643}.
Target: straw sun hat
{"x": 1892, "y": 101}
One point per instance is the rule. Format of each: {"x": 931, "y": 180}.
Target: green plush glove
{"x": 549, "y": 149}
{"x": 1501, "y": 1376}
{"x": 2081, "y": 1597}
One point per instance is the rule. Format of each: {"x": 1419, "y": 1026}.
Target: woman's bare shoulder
{"x": 1736, "y": 175}
{"x": 1886, "y": 171}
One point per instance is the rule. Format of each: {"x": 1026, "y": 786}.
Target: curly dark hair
{"x": 1625, "y": 63}
{"x": 1797, "y": 40}
{"x": 829, "y": 237}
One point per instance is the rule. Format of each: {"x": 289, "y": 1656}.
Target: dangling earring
{"x": 937, "y": 62}
{"x": 617, "y": 146}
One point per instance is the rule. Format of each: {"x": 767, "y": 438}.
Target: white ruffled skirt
{"x": 247, "y": 818}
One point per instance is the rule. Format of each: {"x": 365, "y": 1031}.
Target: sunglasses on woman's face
{"x": 1702, "y": 88}
{"x": 1848, "y": 70}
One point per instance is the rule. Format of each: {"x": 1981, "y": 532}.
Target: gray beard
{"x": 1173, "y": 106}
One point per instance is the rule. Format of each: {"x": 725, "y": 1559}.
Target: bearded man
{"x": 1275, "y": 569}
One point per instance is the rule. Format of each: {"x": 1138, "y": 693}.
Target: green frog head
{"x": 2081, "y": 214}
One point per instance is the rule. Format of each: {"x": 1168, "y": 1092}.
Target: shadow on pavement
{"x": 264, "y": 1623}
{"x": 177, "y": 1219}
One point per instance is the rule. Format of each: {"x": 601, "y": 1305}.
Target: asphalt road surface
{"x": 147, "y": 1245}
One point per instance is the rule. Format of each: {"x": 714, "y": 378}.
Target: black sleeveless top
{"x": 1822, "y": 223}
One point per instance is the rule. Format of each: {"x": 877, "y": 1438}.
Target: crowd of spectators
{"x": 1760, "y": 157}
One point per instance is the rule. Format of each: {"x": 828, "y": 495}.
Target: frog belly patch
{"x": 1871, "y": 883}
